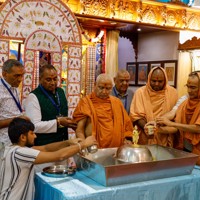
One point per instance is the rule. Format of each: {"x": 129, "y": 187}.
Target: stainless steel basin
{"x": 167, "y": 162}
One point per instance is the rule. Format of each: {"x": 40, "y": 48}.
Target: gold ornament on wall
{"x": 174, "y": 15}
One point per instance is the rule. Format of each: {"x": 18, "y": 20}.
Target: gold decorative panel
{"x": 174, "y": 15}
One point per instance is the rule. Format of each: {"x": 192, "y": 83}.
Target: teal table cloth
{"x": 80, "y": 187}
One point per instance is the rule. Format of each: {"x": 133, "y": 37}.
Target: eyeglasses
{"x": 191, "y": 87}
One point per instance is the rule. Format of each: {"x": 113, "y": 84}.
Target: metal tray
{"x": 59, "y": 171}
{"x": 103, "y": 168}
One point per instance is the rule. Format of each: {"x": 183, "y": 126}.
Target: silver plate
{"x": 59, "y": 171}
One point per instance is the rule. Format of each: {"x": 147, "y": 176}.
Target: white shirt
{"x": 33, "y": 111}
{"x": 17, "y": 173}
{"x": 8, "y": 109}
{"x": 179, "y": 102}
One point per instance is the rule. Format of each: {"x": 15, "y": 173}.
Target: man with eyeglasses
{"x": 103, "y": 116}
{"x": 120, "y": 89}
{"x": 10, "y": 105}
{"x": 187, "y": 120}
{"x": 171, "y": 115}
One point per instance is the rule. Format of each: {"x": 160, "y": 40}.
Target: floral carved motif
{"x": 171, "y": 18}
{"x": 18, "y": 20}
{"x": 149, "y": 16}
{"x": 42, "y": 39}
{"x": 174, "y": 15}
{"x": 94, "y": 6}
{"x": 193, "y": 22}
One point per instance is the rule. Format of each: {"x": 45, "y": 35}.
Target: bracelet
{"x": 58, "y": 122}
{"x": 79, "y": 145}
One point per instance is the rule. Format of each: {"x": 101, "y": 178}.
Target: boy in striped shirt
{"x": 17, "y": 172}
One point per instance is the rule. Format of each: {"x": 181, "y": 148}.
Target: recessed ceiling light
{"x": 139, "y": 29}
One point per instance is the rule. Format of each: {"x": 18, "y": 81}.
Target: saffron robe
{"x": 110, "y": 121}
{"x": 189, "y": 113}
{"x": 148, "y": 104}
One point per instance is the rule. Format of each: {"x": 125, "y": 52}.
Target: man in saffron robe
{"x": 103, "y": 116}
{"x": 187, "y": 120}
{"x": 151, "y": 101}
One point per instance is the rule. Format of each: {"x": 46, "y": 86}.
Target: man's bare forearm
{"x": 52, "y": 146}
{"x": 167, "y": 130}
{"x": 187, "y": 127}
{"x": 5, "y": 122}
{"x": 170, "y": 115}
{"x": 80, "y": 135}
{"x": 80, "y": 130}
{"x": 141, "y": 123}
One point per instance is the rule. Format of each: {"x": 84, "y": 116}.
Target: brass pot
{"x": 133, "y": 154}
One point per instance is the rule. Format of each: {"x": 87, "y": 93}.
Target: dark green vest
{"x": 49, "y": 112}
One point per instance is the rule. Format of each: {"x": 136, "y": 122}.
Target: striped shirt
{"x": 8, "y": 109}
{"x": 17, "y": 173}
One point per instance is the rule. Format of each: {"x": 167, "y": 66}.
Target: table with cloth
{"x": 80, "y": 187}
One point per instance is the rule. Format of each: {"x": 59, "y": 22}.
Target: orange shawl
{"x": 148, "y": 104}
{"x": 190, "y": 108}
{"x": 110, "y": 121}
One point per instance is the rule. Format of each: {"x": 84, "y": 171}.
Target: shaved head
{"x": 157, "y": 72}
{"x": 103, "y": 86}
{"x": 157, "y": 80}
{"x": 103, "y": 77}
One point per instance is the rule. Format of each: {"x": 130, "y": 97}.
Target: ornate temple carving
{"x": 173, "y": 15}
{"x": 194, "y": 43}
{"x": 92, "y": 6}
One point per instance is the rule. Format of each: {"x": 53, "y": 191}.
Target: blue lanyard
{"x": 14, "y": 98}
{"x": 125, "y": 106}
{"x": 57, "y": 106}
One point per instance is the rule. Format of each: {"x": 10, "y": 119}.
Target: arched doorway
{"x": 47, "y": 26}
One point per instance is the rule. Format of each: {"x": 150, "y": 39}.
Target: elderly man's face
{"x": 193, "y": 87}
{"x": 103, "y": 89}
{"x": 157, "y": 81}
{"x": 15, "y": 76}
{"x": 122, "y": 82}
